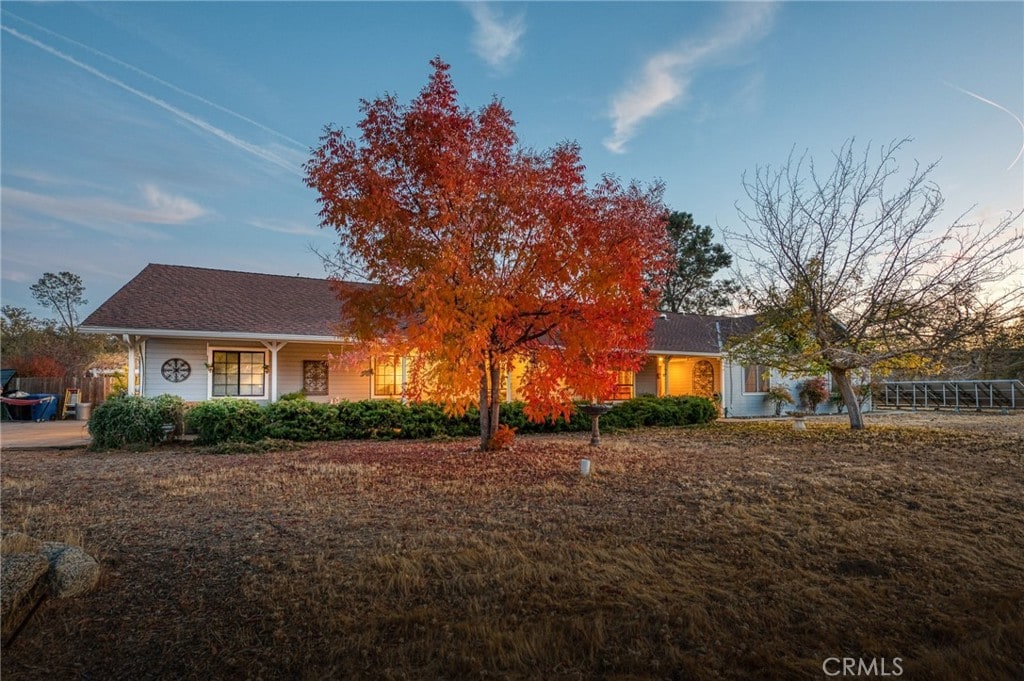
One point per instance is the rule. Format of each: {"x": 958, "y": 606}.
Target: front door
{"x": 704, "y": 379}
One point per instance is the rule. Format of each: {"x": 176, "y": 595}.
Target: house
{"x": 205, "y": 333}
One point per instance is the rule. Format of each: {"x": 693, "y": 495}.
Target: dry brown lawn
{"x": 737, "y": 551}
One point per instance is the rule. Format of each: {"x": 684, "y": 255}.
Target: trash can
{"x": 83, "y": 410}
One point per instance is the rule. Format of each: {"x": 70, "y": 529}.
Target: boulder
{"x": 73, "y": 572}
{"x": 19, "y": 542}
{"x": 33, "y": 570}
{"x": 23, "y": 586}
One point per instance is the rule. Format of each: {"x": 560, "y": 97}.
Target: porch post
{"x": 273, "y": 346}
{"x": 136, "y": 361}
{"x": 131, "y": 364}
{"x": 404, "y": 369}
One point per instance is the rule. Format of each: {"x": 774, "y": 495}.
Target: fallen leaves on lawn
{"x": 732, "y": 551}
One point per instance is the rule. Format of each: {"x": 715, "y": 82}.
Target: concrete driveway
{"x": 32, "y": 435}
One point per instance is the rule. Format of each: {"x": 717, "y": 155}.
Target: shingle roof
{"x": 177, "y": 298}
{"x": 675, "y": 332}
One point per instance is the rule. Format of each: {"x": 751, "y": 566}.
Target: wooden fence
{"x": 93, "y": 389}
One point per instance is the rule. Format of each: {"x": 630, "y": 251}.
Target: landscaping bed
{"x": 737, "y": 550}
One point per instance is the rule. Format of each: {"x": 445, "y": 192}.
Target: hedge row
{"x": 297, "y": 419}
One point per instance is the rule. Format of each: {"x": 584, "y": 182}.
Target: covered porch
{"x": 678, "y": 374}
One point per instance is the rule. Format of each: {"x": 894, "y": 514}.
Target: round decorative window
{"x": 175, "y": 370}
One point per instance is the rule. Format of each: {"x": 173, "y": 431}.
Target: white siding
{"x": 158, "y": 351}
{"x": 343, "y": 383}
{"x": 743, "y": 404}
{"x": 738, "y": 403}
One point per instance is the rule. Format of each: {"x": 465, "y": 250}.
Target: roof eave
{"x": 682, "y": 353}
{"x": 218, "y": 335}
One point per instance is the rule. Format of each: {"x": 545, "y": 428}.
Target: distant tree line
{"x": 39, "y": 347}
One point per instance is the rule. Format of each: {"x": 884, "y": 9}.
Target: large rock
{"x": 19, "y": 542}
{"x": 33, "y": 570}
{"x": 73, "y": 572}
{"x": 23, "y": 585}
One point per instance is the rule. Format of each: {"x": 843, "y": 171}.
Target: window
{"x": 623, "y": 386}
{"x": 756, "y": 378}
{"x": 237, "y": 373}
{"x": 387, "y": 376}
{"x": 314, "y": 377}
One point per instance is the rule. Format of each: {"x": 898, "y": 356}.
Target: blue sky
{"x": 175, "y": 132}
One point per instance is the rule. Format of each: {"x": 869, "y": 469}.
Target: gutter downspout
{"x": 726, "y": 370}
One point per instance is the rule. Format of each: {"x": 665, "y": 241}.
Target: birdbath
{"x": 595, "y": 412}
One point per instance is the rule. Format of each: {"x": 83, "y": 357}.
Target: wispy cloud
{"x": 156, "y": 207}
{"x": 496, "y": 36}
{"x": 254, "y": 149}
{"x": 1015, "y": 117}
{"x": 666, "y": 77}
{"x": 285, "y": 226}
{"x": 157, "y": 79}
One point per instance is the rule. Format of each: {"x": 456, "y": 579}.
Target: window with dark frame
{"x": 756, "y": 378}
{"x": 315, "y": 375}
{"x": 387, "y": 376}
{"x": 237, "y": 373}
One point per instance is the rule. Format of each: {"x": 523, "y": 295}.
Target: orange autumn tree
{"x": 486, "y": 257}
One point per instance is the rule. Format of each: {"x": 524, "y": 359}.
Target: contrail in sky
{"x": 159, "y": 80}
{"x": 253, "y": 149}
{"x": 1001, "y": 108}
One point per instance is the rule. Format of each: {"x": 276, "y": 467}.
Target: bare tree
{"x": 847, "y": 270}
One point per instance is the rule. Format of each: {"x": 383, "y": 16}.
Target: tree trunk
{"x": 490, "y": 400}
{"x": 485, "y": 412}
{"x": 841, "y": 378}
{"x": 495, "y": 405}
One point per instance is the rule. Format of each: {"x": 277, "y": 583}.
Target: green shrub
{"x": 297, "y": 396}
{"x": 648, "y": 411}
{"x": 372, "y": 419}
{"x": 302, "y": 420}
{"x": 425, "y": 420}
{"x": 466, "y": 425}
{"x": 127, "y": 421}
{"x": 298, "y": 419}
{"x": 227, "y": 419}
{"x": 172, "y": 410}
